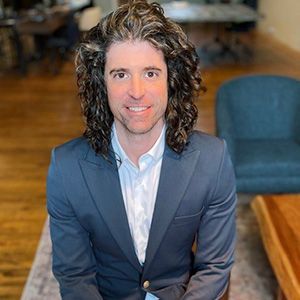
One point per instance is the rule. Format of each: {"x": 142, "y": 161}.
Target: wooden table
{"x": 46, "y": 26}
{"x": 187, "y": 12}
{"x": 221, "y": 15}
{"x": 279, "y": 221}
{"x": 39, "y": 25}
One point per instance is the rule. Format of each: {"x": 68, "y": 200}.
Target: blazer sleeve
{"x": 74, "y": 264}
{"x": 216, "y": 238}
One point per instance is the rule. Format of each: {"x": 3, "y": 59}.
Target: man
{"x": 129, "y": 199}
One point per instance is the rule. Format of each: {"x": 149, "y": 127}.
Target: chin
{"x": 139, "y": 129}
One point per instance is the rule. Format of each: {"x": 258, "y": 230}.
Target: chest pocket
{"x": 187, "y": 219}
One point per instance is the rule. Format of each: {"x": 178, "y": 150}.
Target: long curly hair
{"x": 138, "y": 20}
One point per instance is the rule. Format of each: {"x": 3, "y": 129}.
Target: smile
{"x": 138, "y": 108}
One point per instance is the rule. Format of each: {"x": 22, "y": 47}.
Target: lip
{"x": 137, "y": 108}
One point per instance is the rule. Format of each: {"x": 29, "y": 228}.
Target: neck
{"x": 135, "y": 145}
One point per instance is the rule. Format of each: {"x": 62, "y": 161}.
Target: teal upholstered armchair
{"x": 259, "y": 117}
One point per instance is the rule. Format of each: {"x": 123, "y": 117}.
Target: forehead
{"x": 133, "y": 53}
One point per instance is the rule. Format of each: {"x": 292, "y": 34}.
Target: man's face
{"x": 136, "y": 80}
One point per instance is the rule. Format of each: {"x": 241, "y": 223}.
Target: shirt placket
{"x": 141, "y": 218}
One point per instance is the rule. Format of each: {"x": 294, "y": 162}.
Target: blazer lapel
{"x": 175, "y": 175}
{"x": 103, "y": 183}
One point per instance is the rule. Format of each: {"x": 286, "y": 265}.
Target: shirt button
{"x": 146, "y": 284}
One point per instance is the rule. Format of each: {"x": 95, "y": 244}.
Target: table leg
{"x": 20, "y": 53}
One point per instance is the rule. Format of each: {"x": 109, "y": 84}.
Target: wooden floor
{"x": 40, "y": 111}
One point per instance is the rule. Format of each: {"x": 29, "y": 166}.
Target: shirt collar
{"x": 156, "y": 152}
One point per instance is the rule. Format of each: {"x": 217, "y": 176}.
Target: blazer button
{"x": 146, "y": 284}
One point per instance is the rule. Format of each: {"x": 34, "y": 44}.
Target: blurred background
{"x": 39, "y": 107}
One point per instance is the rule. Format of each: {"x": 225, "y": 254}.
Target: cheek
{"x": 159, "y": 89}
{"x": 115, "y": 94}
{"x": 162, "y": 94}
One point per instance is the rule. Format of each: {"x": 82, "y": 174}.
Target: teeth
{"x": 137, "y": 108}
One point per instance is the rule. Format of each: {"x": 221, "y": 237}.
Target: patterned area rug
{"x": 251, "y": 278}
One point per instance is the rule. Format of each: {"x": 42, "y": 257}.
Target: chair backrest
{"x": 89, "y": 18}
{"x": 260, "y": 106}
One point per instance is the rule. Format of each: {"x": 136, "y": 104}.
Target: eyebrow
{"x": 152, "y": 68}
{"x": 118, "y": 70}
{"x": 126, "y": 70}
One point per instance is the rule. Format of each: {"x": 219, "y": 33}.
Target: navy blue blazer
{"x": 93, "y": 252}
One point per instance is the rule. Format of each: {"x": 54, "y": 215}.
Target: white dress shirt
{"x": 139, "y": 188}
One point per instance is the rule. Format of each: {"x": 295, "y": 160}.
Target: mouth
{"x": 137, "y": 108}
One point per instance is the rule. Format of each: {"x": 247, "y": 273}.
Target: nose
{"x": 137, "y": 88}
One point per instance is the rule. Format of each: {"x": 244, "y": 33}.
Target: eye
{"x": 119, "y": 75}
{"x": 151, "y": 74}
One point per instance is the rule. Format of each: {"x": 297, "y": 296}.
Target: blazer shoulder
{"x": 202, "y": 141}
{"x": 75, "y": 148}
